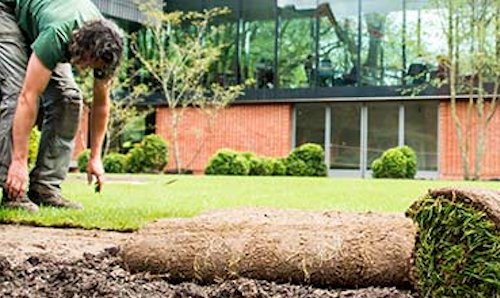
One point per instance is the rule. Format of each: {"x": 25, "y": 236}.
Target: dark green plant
{"x": 135, "y": 159}
{"x": 155, "y": 150}
{"x": 33, "y": 147}
{"x": 279, "y": 167}
{"x": 264, "y": 167}
{"x": 83, "y": 160}
{"x": 228, "y": 162}
{"x": 307, "y": 160}
{"x": 397, "y": 162}
{"x": 114, "y": 163}
{"x": 457, "y": 250}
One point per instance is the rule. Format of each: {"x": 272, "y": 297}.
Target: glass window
{"x": 426, "y": 46}
{"x": 381, "y": 46}
{"x": 383, "y": 122}
{"x": 421, "y": 132}
{"x": 296, "y": 56}
{"x": 310, "y": 124}
{"x": 257, "y": 39}
{"x": 338, "y": 40}
{"x": 345, "y": 136}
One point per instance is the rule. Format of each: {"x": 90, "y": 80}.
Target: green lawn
{"x": 126, "y": 205}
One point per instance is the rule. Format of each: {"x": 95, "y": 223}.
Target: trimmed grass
{"x": 130, "y": 201}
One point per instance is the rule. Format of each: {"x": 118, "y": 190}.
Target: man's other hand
{"x": 95, "y": 169}
{"x": 17, "y": 179}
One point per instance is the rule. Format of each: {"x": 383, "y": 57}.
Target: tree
{"x": 471, "y": 67}
{"x": 183, "y": 56}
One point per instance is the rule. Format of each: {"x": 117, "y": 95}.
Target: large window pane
{"x": 297, "y": 20}
{"x": 310, "y": 124}
{"x": 338, "y": 39}
{"x": 426, "y": 44}
{"x": 421, "y": 132}
{"x": 381, "y": 46}
{"x": 383, "y": 119}
{"x": 257, "y": 43}
{"x": 345, "y": 136}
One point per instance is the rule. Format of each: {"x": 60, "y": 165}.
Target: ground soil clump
{"x": 102, "y": 275}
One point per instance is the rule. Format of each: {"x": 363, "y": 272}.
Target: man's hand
{"x": 17, "y": 179}
{"x": 95, "y": 169}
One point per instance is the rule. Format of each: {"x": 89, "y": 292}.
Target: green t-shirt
{"x": 49, "y": 24}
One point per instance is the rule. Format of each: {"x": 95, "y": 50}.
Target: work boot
{"x": 52, "y": 199}
{"x": 22, "y": 204}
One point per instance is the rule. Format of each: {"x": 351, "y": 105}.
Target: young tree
{"x": 179, "y": 59}
{"x": 471, "y": 68}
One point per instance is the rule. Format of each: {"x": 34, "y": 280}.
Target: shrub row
{"x": 306, "y": 160}
{"x": 149, "y": 156}
{"x": 397, "y": 162}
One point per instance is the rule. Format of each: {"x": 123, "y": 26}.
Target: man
{"x": 38, "y": 40}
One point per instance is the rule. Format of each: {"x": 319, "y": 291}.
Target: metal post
{"x": 401, "y": 126}
{"x": 328, "y": 135}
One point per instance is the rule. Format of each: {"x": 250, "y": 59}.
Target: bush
{"x": 307, "y": 160}
{"x": 33, "y": 147}
{"x": 264, "y": 167}
{"x": 83, "y": 160}
{"x": 114, "y": 163}
{"x": 149, "y": 156}
{"x": 228, "y": 162}
{"x": 135, "y": 160}
{"x": 397, "y": 162}
{"x": 279, "y": 167}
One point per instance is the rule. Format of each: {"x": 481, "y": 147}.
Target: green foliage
{"x": 150, "y": 156}
{"x": 135, "y": 160}
{"x": 83, "y": 160}
{"x": 228, "y": 162}
{"x": 114, "y": 163}
{"x": 307, "y": 160}
{"x": 259, "y": 166}
{"x": 279, "y": 167}
{"x": 33, "y": 147}
{"x": 397, "y": 162}
{"x": 457, "y": 250}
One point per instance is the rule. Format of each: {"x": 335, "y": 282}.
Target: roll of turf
{"x": 321, "y": 248}
{"x": 457, "y": 250}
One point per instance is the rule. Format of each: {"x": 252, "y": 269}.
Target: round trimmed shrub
{"x": 228, "y": 162}
{"x": 82, "y": 160}
{"x": 114, "y": 163}
{"x": 279, "y": 167}
{"x": 253, "y": 162}
{"x": 397, "y": 162}
{"x": 264, "y": 167}
{"x": 155, "y": 150}
{"x": 33, "y": 146}
{"x": 135, "y": 159}
{"x": 307, "y": 160}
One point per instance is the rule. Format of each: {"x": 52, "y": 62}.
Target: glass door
{"x": 345, "y": 140}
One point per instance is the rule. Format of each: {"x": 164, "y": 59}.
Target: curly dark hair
{"x": 98, "y": 40}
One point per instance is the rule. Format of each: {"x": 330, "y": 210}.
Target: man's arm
{"x": 99, "y": 122}
{"x": 35, "y": 82}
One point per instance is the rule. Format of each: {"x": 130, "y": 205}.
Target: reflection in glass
{"x": 310, "y": 121}
{"x": 425, "y": 42}
{"x": 345, "y": 136}
{"x": 381, "y": 46}
{"x": 257, "y": 43}
{"x": 296, "y": 42}
{"x": 421, "y": 130}
{"x": 338, "y": 41}
{"x": 383, "y": 119}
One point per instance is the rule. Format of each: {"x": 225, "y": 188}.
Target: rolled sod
{"x": 457, "y": 250}
{"x": 321, "y": 248}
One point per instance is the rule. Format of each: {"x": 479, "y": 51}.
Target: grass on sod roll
{"x": 457, "y": 251}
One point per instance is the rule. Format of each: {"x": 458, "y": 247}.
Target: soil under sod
{"x": 102, "y": 275}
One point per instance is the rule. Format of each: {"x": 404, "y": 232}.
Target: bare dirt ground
{"x": 46, "y": 262}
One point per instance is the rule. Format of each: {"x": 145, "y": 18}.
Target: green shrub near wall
{"x": 114, "y": 163}
{"x": 397, "y": 162}
{"x": 307, "y": 160}
{"x": 149, "y": 156}
{"x": 135, "y": 159}
{"x": 83, "y": 160}
{"x": 279, "y": 167}
{"x": 228, "y": 162}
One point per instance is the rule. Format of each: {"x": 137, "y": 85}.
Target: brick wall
{"x": 261, "y": 128}
{"x": 450, "y": 160}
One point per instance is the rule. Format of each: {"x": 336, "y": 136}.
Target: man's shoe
{"x": 52, "y": 200}
{"x": 22, "y": 204}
